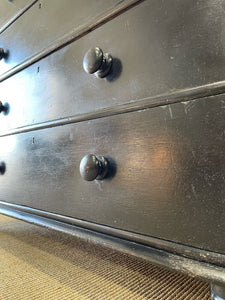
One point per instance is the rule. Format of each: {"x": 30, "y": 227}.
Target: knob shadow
{"x": 2, "y": 168}
{"x": 7, "y": 54}
{"x": 112, "y": 168}
{"x": 115, "y": 71}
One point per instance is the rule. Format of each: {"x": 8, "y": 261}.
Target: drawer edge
{"x": 70, "y": 37}
{"x": 16, "y": 16}
{"x": 197, "y": 93}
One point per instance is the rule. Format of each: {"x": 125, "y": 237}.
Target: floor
{"x": 39, "y": 263}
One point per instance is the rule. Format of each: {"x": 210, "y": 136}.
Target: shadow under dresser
{"x": 112, "y": 126}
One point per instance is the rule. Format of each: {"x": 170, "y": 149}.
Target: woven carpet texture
{"x": 39, "y": 263}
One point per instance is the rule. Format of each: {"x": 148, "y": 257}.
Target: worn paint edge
{"x": 19, "y": 14}
{"x": 197, "y": 93}
{"x": 189, "y": 260}
{"x": 71, "y": 37}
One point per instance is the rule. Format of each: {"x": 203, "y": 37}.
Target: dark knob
{"x": 2, "y": 168}
{"x": 3, "y": 54}
{"x": 95, "y": 61}
{"x": 3, "y": 108}
{"x": 93, "y": 167}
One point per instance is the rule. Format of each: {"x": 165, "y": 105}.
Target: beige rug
{"x": 38, "y": 263}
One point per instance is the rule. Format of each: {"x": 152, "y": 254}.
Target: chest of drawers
{"x": 134, "y": 160}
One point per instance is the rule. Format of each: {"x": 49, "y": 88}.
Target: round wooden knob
{"x": 3, "y": 108}
{"x": 93, "y": 167}
{"x": 95, "y": 61}
{"x": 3, "y": 54}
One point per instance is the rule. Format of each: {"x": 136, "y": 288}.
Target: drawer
{"x": 9, "y": 9}
{"x": 47, "y": 21}
{"x": 166, "y": 178}
{"x": 155, "y": 51}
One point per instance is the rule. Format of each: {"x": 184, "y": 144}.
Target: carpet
{"x": 39, "y": 263}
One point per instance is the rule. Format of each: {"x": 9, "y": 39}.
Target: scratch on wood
{"x": 171, "y": 113}
{"x": 99, "y": 185}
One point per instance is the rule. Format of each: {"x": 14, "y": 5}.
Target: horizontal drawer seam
{"x": 184, "y": 95}
{"x": 19, "y": 14}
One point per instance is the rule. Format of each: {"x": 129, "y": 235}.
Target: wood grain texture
{"x": 167, "y": 178}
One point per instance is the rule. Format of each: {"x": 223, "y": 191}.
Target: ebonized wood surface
{"x": 47, "y": 22}
{"x": 158, "y": 118}
{"x": 9, "y": 9}
{"x": 167, "y": 177}
{"x": 158, "y": 47}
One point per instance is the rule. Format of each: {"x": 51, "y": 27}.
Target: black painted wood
{"x": 163, "y": 197}
{"x": 9, "y": 9}
{"x": 47, "y": 22}
{"x": 167, "y": 176}
{"x": 155, "y": 51}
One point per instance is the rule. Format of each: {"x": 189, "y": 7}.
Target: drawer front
{"x": 167, "y": 175}
{"x": 9, "y": 9}
{"x": 155, "y": 51}
{"x": 47, "y": 21}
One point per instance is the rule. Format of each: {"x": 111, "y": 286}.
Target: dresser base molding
{"x": 160, "y": 252}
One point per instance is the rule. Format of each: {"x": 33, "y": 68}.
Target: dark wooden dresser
{"x": 113, "y": 125}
